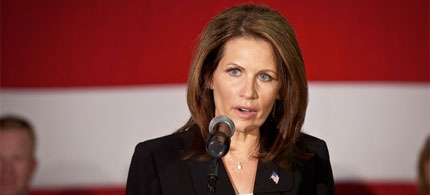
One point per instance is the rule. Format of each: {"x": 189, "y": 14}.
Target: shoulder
{"x": 157, "y": 163}
{"x": 153, "y": 160}
{"x": 175, "y": 141}
{"x": 159, "y": 153}
{"x": 318, "y": 167}
{"x": 314, "y": 145}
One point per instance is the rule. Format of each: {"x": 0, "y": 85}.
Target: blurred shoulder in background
{"x": 424, "y": 168}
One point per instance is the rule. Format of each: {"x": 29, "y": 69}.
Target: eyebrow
{"x": 268, "y": 70}
{"x": 264, "y": 70}
{"x": 232, "y": 64}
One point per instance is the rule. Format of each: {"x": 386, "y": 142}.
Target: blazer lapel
{"x": 199, "y": 171}
{"x": 270, "y": 178}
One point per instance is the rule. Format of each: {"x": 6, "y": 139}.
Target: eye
{"x": 265, "y": 77}
{"x": 234, "y": 71}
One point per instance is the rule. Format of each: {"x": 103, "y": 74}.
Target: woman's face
{"x": 245, "y": 83}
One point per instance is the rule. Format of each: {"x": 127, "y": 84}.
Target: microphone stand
{"x": 217, "y": 146}
{"x": 213, "y": 175}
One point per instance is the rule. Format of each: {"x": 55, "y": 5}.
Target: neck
{"x": 244, "y": 144}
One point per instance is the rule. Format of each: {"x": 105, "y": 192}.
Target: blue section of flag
{"x": 275, "y": 177}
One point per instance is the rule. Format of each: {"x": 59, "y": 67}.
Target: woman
{"x": 248, "y": 67}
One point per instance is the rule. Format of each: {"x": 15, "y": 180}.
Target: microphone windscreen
{"x": 222, "y": 124}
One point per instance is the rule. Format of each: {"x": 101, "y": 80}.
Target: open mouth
{"x": 244, "y": 110}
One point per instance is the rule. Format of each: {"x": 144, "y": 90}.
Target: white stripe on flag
{"x": 87, "y": 136}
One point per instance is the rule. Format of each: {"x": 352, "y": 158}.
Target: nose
{"x": 249, "y": 90}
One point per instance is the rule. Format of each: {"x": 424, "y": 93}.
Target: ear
{"x": 34, "y": 165}
{"x": 32, "y": 168}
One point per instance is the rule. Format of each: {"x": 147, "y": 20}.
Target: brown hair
{"x": 283, "y": 126}
{"x": 14, "y": 122}
{"x": 423, "y": 180}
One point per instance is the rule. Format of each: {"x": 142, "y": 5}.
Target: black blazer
{"x": 157, "y": 168}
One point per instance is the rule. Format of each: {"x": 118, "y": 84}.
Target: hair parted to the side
{"x": 282, "y": 128}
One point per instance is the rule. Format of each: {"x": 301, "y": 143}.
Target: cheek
{"x": 267, "y": 102}
{"x": 269, "y": 98}
{"x": 221, "y": 100}
{"x": 23, "y": 168}
{"x": 223, "y": 94}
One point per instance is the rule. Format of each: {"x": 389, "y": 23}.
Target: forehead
{"x": 15, "y": 140}
{"x": 250, "y": 50}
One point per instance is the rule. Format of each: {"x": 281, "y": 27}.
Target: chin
{"x": 6, "y": 190}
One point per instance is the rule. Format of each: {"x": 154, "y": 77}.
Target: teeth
{"x": 244, "y": 110}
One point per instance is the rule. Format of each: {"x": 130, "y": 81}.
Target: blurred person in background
{"x": 424, "y": 168}
{"x": 17, "y": 155}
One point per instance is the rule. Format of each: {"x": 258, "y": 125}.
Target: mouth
{"x": 245, "y": 109}
{"x": 246, "y": 112}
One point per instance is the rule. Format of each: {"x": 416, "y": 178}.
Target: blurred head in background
{"x": 17, "y": 159}
{"x": 424, "y": 168}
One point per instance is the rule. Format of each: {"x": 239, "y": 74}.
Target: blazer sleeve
{"x": 324, "y": 174}
{"x": 142, "y": 176}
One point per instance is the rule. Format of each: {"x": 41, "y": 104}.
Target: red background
{"x": 92, "y": 43}
{"x": 79, "y": 43}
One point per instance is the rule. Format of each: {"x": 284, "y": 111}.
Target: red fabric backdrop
{"x": 53, "y": 43}
{"x": 93, "y": 43}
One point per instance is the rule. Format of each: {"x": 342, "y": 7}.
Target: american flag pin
{"x": 275, "y": 177}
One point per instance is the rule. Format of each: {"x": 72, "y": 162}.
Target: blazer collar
{"x": 264, "y": 182}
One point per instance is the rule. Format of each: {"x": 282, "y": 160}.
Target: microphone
{"x": 221, "y": 128}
